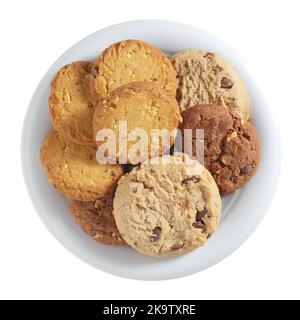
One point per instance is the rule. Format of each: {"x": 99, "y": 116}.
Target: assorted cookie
{"x": 96, "y": 219}
{"x": 130, "y": 61}
{"x": 142, "y": 105}
{"x": 206, "y": 78}
{"x": 168, "y": 209}
{"x": 72, "y": 103}
{"x": 161, "y": 208}
{"x": 74, "y": 171}
{"x": 231, "y": 148}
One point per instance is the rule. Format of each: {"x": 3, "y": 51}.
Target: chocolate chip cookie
{"x": 231, "y": 148}
{"x": 97, "y": 220}
{"x": 206, "y": 78}
{"x": 169, "y": 208}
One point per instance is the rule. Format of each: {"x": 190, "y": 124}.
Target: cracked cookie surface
{"x": 72, "y": 102}
{"x": 74, "y": 171}
{"x": 167, "y": 209}
{"x": 144, "y": 106}
{"x": 130, "y": 61}
{"x": 231, "y": 148}
{"x": 96, "y": 219}
{"x": 206, "y": 78}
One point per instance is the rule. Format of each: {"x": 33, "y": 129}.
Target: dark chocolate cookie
{"x": 231, "y": 149}
{"x": 97, "y": 220}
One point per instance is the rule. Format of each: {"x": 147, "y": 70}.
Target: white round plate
{"x": 242, "y": 211}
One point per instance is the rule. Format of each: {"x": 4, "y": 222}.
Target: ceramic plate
{"x": 242, "y": 211}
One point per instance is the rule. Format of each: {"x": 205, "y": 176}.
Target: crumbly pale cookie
{"x": 206, "y": 78}
{"x": 144, "y": 106}
{"x": 97, "y": 220}
{"x": 74, "y": 171}
{"x": 130, "y": 61}
{"x": 72, "y": 102}
{"x": 231, "y": 148}
{"x": 167, "y": 209}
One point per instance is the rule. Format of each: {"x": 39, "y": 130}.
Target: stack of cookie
{"x": 163, "y": 209}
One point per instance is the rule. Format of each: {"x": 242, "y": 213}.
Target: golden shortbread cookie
{"x": 207, "y": 78}
{"x": 72, "y": 102}
{"x": 130, "y": 61}
{"x": 143, "y": 105}
{"x": 74, "y": 171}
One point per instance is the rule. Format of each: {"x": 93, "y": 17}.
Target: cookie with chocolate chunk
{"x": 169, "y": 208}
{"x": 231, "y": 148}
{"x": 207, "y": 78}
{"x": 96, "y": 219}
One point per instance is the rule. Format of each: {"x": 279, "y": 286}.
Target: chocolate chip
{"x": 201, "y": 214}
{"x": 156, "y": 234}
{"x": 217, "y": 68}
{"x": 178, "y": 94}
{"x": 95, "y": 72}
{"x": 209, "y": 236}
{"x": 199, "y": 224}
{"x": 127, "y": 167}
{"x": 246, "y": 169}
{"x": 192, "y": 179}
{"x": 209, "y": 55}
{"x": 247, "y": 136}
{"x": 177, "y": 246}
{"x": 226, "y": 83}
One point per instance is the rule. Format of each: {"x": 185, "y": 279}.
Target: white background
{"x": 34, "y": 33}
